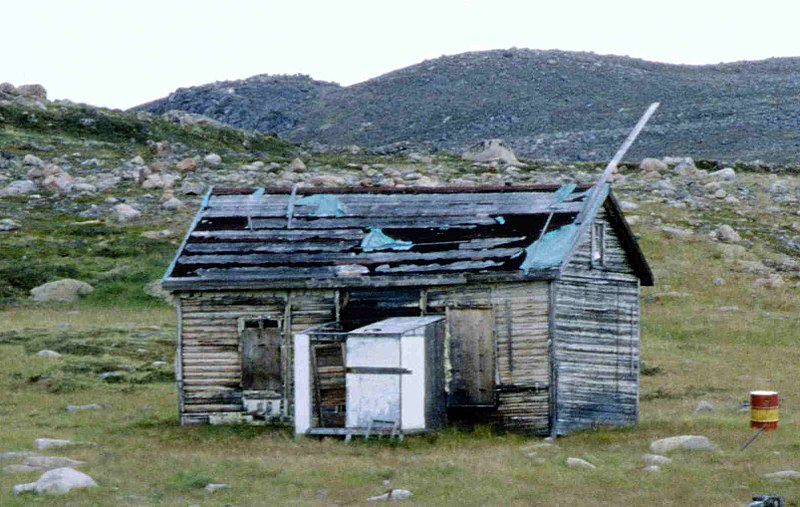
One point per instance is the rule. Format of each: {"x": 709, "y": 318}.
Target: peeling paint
{"x": 376, "y": 240}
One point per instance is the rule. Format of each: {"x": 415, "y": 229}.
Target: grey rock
{"x": 79, "y": 408}
{"x": 193, "y": 187}
{"x": 125, "y": 212}
{"x": 62, "y": 480}
{"x": 19, "y": 489}
{"x": 32, "y": 91}
{"x": 704, "y": 406}
{"x": 579, "y": 463}
{"x": 628, "y": 205}
{"x": 155, "y": 290}
{"x": 50, "y": 462}
{"x": 110, "y": 375}
{"x": 48, "y": 353}
{"x": 653, "y": 469}
{"x": 682, "y": 442}
{"x": 19, "y": 187}
{"x": 652, "y": 165}
{"x": 50, "y": 443}
{"x": 727, "y": 234}
{"x": 677, "y": 232}
{"x": 21, "y": 469}
{"x": 32, "y": 161}
{"x": 173, "y": 203}
{"x": 783, "y": 475}
{"x": 15, "y": 454}
{"x": 491, "y": 150}
{"x": 391, "y": 495}
{"x": 726, "y": 174}
{"x": 215, "y": 487}
{"x": 297, "y": 165}
{"x": 63, "y": 291}
{"x": 7, "y": 224}
{"x": 656, "y": 459}
{"x": 213, "y": 159}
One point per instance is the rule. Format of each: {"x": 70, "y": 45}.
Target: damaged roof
{"x": 345, "y": 237}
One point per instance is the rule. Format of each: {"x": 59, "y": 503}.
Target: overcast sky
{"x": 120, "y": 53}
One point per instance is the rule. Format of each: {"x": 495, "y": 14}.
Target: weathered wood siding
{"x": 210, "y": 359}
{"x": 521, "y": 340}
{"x": 596, "y": 339}
{"x": 211, "y": 362}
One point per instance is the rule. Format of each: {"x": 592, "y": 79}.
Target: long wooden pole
{"x": 617, "y": 158}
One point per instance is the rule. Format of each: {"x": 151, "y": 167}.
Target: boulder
{"x": 726, "y": 174}
{"x": 66, "y": 290}
{"x": 212, "y": 159}
{"x": 297, "y": 165}
{"x": 677, "y": 232}
{"x": 32, "y": 161}
{"x": 186, "y": 165}
{"x": 727, "y": 234}
{"x": 491, "y": 150}
{"x": 50, "y": 443}
{"x": 392, "y": 494}
{"x": 172, "y": 203}
{"x": 652, "y": 165}
{"x": 682, "y": 443}
{"x": 19, "y": 489}
{"x": 21, "y": 469}
{"x": 19, "y": 187}
{"x": 57, "y": 180}
{"x": 15, "y": 455}
{"x": 656, "y": 459}
{"x": 125, "y": 212}
{"x": 704, "y": 406}
{"x": 48, "y": 353}
{"x": 155, "y": 290}
{"x": 193, "y": 188}
{"x": 50, "y": 462}
{"x": 783, "y": 475}
{"x": 773, "y": 281}
{"x": 32, "y": 91}
{"x": 61, "y": 481}
{"x": 215, "y": 487}
{"x": 653, "y": 469}
{"x": 579, "y": 463}
{"x": 80, "y": 408}
{"x": 7, "y": 224}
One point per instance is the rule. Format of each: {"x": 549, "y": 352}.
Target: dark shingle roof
{"x": 263, "y": 238}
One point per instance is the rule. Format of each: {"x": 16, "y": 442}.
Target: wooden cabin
{"x": 538, "y": 287}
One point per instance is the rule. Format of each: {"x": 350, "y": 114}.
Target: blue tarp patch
{"x": 327, "y": 205}
{"x": 563, "y": 192}
{"x": 548, "y": 252}
{"x": 500, "y": 220}
{"x": 377, "y": 240}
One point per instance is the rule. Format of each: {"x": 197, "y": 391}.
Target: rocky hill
{"x": 546, "y": 104}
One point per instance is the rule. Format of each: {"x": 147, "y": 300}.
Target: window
{"x": 260, "y": 347}
{"x": 598, "y": 244}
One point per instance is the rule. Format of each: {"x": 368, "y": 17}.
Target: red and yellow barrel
{"x": 764, "y": 410}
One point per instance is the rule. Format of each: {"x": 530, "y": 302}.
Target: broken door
{"x": 260, "y": 344}
{"x": 472, "y": 356}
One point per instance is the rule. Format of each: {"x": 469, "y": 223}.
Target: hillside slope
{"x": 547, "y": 104}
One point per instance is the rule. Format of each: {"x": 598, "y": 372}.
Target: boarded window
{"x": 260, "y": 344}
{"x": 472, "y": 356}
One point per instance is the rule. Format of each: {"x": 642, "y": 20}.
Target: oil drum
{"x": 764, "y": 410}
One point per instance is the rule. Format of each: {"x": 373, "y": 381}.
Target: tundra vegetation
{"x": 721, "y": 321}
